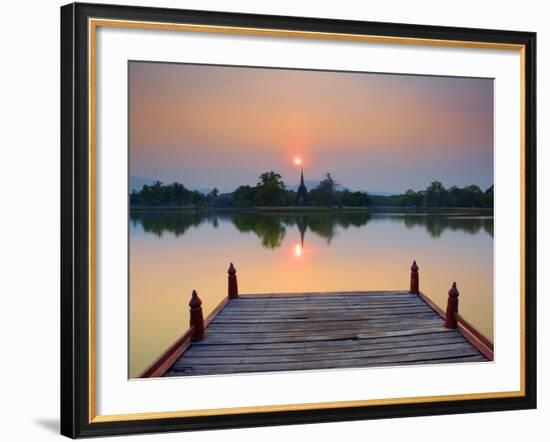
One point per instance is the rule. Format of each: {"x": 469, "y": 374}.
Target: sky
{"x": 221, "y": 126}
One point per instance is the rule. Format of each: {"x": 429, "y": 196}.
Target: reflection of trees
{"x": 488, "y": 225}
{"x": 175, "y": 222}
{"x": 270, "y": 228}
{"x": 436, "y": 224}
{"x": 325, "y": 224}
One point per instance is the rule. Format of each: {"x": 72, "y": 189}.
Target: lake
{"x": 173, "y": 253}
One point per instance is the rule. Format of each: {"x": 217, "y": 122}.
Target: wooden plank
{"x": 205, "y": 360}
{"x": 301, "y": 311}
{"x": 334, "y": 295}
{"x": 316, "y": 317}
{"x": 256, "y": 305}
{"x": 285, "y": 306}
{"x": 364, "y": 302}
{"x": 263, "y": 332}
{"x": 324, "y": 294}
{"x": 459, "y": 359}
{"x": 323, "y": 325}
{"x": 336, "y": 300}
{"x": 320, "y": 345}
{"x": 250, "y": 338}
{"x": 316, "y": 348}
{"x": 321, "y": 307}
{"x": 336, "y": 363}
{"x": 436, "y": 329}
{"x": 343, "y": 336}
{"x": 271, "y": 327}
{"x": 322, "y": 315}
{"x": 325, "y": 316}
{"x": 326, "y": 312}
{"x": 322, "y": 312}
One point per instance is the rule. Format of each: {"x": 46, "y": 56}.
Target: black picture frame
{"x": 75, "y": 220}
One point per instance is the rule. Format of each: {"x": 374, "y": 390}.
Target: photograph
{"x": 297, "y": 219}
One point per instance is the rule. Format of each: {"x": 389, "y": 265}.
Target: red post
{"x": 452, "y": 307}
{"x": 196, "y": 318}
{"x": 414, "y": 278}
{"x": 232, "y": 288}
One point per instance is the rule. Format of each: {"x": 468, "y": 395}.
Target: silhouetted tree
{"x": 436, "y": 195}
{"x": 353, "y": 199}
{"x": 244, "y": 196}
{"x": 270, "y": 190}
{"x": 411, "y": 199}
{"x": 324, "y": 193}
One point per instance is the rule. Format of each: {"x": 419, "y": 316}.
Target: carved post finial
{"x": 452, "y": 307}
{"x": 195, "y": 317}
{"x": 232, "y": 287}
{"x": 414, "y": 278}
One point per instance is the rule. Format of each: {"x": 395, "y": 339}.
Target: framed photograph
{"x": 274, "y": 220}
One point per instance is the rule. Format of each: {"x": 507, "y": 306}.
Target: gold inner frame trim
{"x": 93, "y": 24}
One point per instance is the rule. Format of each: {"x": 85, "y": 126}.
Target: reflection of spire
{"x": 302, "y": 227}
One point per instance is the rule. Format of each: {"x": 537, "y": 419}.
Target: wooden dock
{"x": 302, "y": 331}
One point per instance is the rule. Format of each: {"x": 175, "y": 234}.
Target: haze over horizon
{"x": 213, "y": 126}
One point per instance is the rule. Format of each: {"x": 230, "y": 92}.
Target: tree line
{"x": 436, "y": 195}
{"x": 272, "y": 191}
{"x": 269, "y": 191}
{"x": 175, "y": 194}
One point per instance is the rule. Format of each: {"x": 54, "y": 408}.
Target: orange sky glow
{"x": 207, "y": 126}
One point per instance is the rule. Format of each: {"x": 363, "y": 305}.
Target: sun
{"x": 297, "y": 161}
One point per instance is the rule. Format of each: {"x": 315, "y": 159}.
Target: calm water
{"x": 172, "y": 253}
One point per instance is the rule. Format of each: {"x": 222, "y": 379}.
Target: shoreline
{"x": 316, "y": 209}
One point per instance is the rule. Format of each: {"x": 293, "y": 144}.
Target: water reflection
{"x": 271, "y": 228}
{"x": 436, "y": 224}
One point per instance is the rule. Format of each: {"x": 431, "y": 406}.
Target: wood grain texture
{"x": 322, "y": 331}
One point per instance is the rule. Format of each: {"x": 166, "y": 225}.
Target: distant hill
{"x": 381, "y": 193}
{"x": 205, "y": 190}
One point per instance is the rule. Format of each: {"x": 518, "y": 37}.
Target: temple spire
{"x": 301, "y": 195}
